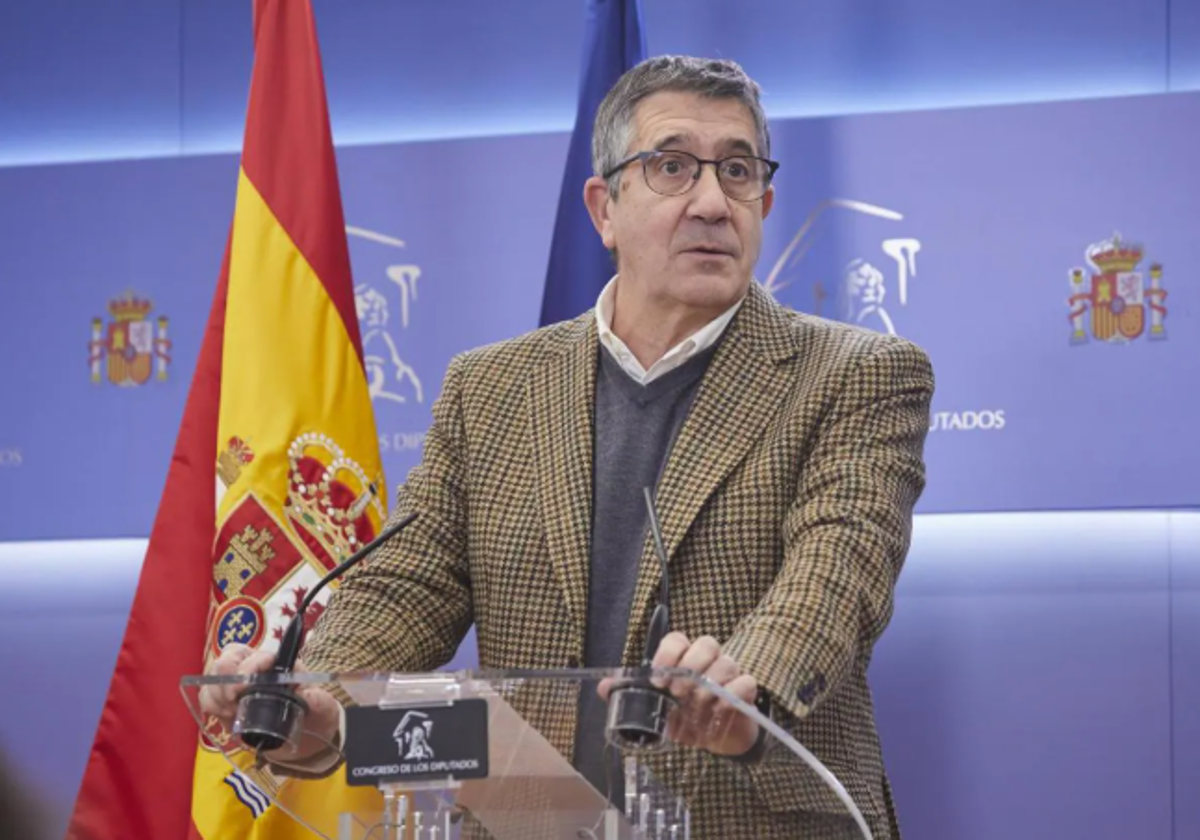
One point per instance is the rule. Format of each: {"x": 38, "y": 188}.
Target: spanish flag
{"x": 275, "y": 478}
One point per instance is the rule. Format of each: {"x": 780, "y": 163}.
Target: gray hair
{"x": 714, "y": 78}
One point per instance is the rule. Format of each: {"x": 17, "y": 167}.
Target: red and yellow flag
{"x": 276, "y": 476}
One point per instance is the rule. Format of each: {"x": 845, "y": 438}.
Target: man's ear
{"x": 597, "y": 200}
{"x": 768, "y": 201}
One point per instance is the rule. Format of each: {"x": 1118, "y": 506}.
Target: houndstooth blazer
{"x": 786, "y": 507}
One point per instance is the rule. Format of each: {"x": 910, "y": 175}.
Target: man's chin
{"x": 710, "y": 291}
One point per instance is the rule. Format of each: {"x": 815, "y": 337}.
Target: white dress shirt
{"x": 697, "y": 342}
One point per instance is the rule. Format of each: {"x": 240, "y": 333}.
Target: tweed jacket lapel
{"x": 743, "y": 388}
{"x": 562, "y": 401}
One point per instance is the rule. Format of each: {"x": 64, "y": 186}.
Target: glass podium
{"x": 489, "y": 754}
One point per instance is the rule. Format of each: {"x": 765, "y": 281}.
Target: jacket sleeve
{"x": 407, "y": 607}
{"x": 846, "y": 533}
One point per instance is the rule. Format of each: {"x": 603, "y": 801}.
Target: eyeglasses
{"x": 742, "y": 177}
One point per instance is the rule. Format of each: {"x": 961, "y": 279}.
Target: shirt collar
{"x": 697, "y": 342}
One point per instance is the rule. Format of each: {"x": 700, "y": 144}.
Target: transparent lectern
{"x": 489, "y": 755}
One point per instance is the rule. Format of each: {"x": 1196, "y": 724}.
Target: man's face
{"x": 698, "y": 249}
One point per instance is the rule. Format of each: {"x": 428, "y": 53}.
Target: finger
{"x": 241, "y": 662}
{"x": 744, "y": 687}
{"x": 670, "y": 651}
{"x": 717, "y": 708}
{"x": 317, "y": 728}
{"x": 324, "y": 711}
{"x": 211, "y": 702}
{"x": 229, "y": 660}
{"x": 226, "y": 665}
{"x": 699, "y": 657}
{"x": 710, "y": 711}
{"x": 739, "y": 730}
{"x": 255, "y": 663}
{"x": 702, "y": 700}
{"x": 318, "y": 699}
{"x": 723, "y": 670}
{"x": 604, "y": 688}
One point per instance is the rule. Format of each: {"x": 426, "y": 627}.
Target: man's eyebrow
{"x": 672, "y": 140}
{"x": 739, "y": 145}
{"x": 736, "y": 145}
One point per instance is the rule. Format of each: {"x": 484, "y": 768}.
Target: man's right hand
{"x": 320, "y": 725}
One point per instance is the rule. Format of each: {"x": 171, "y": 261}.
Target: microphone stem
{"x": 386, "y": 535}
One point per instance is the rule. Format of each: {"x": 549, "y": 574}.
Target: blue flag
{"x": 579, "y": 264}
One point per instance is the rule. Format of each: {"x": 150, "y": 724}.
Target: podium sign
{"x": 416, "y": 744}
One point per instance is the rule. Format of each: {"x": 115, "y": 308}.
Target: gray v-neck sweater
{"x": 635, "y": 427}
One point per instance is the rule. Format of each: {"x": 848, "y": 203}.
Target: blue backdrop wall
{"x": 1036, "y": 680}
{"x": 82, "y": 80}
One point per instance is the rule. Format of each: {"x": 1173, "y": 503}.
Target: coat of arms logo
{"x": 389, "y": 376}
{"x": 1115, "y": 302}
{"x": 412, "y": 737}
{"x": 132, "y": 345}
{"x": 860, "y": 295}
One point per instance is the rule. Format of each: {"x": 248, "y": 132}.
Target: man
{"x": 785, "y": 451}
{"x": 21, "y": 814}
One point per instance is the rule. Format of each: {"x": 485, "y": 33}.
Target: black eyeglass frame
{"x": 772, "y": 168}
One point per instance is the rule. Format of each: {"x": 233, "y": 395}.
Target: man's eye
{"x": 738, "y": 170}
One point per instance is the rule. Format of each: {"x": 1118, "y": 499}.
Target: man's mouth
{"x": 710, "y": 251}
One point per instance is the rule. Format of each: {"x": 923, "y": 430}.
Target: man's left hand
{"x": 702, "y": 719}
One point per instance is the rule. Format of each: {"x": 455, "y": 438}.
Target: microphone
{"x": 268, "y": 712}
{"x": 638, "y": 711}
{"x": 661, "y": 619}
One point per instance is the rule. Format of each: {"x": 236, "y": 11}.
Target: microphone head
{"x": 269, "y": 716}
{"x": 637, "y": 717}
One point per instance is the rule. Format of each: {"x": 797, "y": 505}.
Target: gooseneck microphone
{"x": 661, "y": 619}
{"x": 268, "y": 711}
{"x": 638, "y": 710}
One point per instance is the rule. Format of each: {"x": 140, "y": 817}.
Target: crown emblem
{"x": 333, "y": 505}
{"x": 1115, "y": 255}
{"x": 236, "y": 454}
{"x": 129, "y": 307}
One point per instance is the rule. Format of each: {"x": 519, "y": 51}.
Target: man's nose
{"x": 708, "y": 200}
